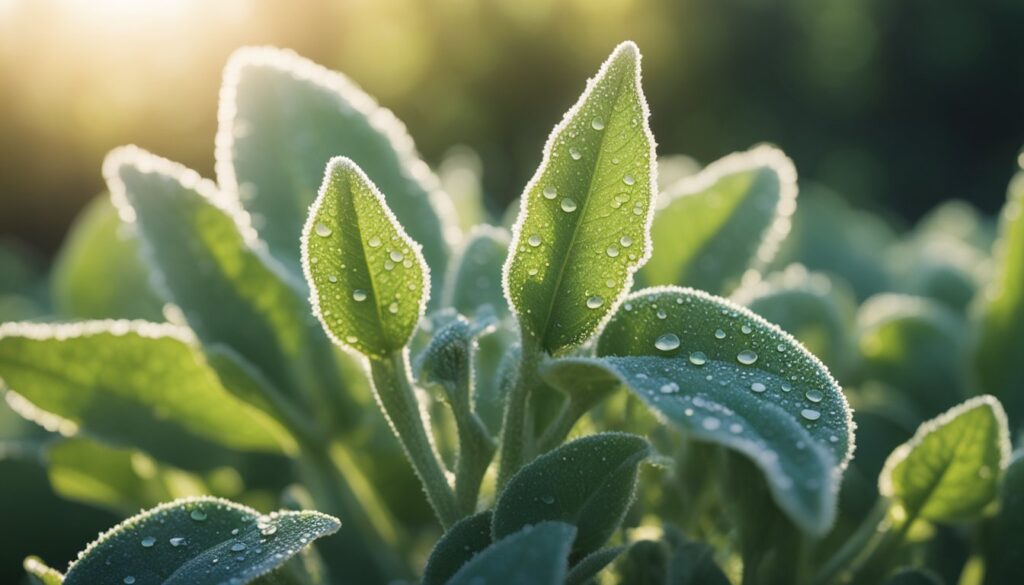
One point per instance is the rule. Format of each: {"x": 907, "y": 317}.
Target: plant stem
{"x": 476, "y": 449}
{"x": 397, "y": 397}
{"x": 856, "y": 545}
{"x": 513, "y": 429}
{"x": 559, "y": 428}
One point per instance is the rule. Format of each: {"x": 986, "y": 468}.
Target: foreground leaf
{"x": 1004, "y": 543}
{"x": 588, "y": 483}
{"x": 368, "y": 280}
{"x": 584, "y": 219}
{"x": 196, "y": 542}
{"x": 950, "y": 469}
{"x": 474, "y": 279}
{"x": 711, "y": 228}
{"x": 534, "y": 555}
{"x": 589, "y": 566}
{"x": 283, "y": 117}
{"x": 40, "y": 574}
{"x": 459, "y": 544}
{"x": 729, "y": 377}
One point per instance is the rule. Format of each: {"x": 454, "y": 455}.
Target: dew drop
{"x": 612, "y": 251}
{"x": 396, "y": 256}
{"x": 698, "y": 358}
{"x": 669, "y": 388}
{"x": 711, "y": 423}
{"x": 594, "y": 302}
{"x": 148, "y": 542}
{"x": 550, "y": 192}
{"x": 629, "y": 180}
{"x": 575, "y": 153}
{"x": 373, "y": 242}
{"x": 332, "y": 278}
{"x": 746, "y": 329}
{"x": 758, "y": 387}
{"x": 533, "y": 240}
{"x": 129, "y": 580}
{"x": 238, "y": 547}
{"x": 810, "y": 414}
{"x": 197, "y": 515}
{"x": 814, "y": 395}
{"x": 597, "y": 124}
{"x": 178, "y": 541}
{"x": 393, "y": 308}
{"x": 667, "y": 342}
{"x": 548, "y": 499}
{"x": 719, "y": 334}
{"x": 746, "y": 357}
{"x": 359, "y": 295}
{"x": 786, "y": 387}
{"x": 568, "y": 204}
{"x": 661, "y": 314}
{"x": 626, "y": 241}
{"x": 735, "y": 428}
{"x": 322, "y": 230}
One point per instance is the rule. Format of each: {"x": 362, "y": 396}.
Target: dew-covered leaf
{"x": 534, "y": 555}
{"x": 98, "y": 273}
{"x": 583, "y": 226}
{"x": 729, "y": 377}
{"x": 282, "y": 118}
{"x": 368, "y": 278}
{"x": 588, "y": 483}
{"x": 592, "y": 564}
{"x": 196, "y": 542}
{"x": 950, "y": 469}
{"x": 40, "y": 574}
{"x": 474, "y": 278}
{"x": 130, "y": 383}
{"x": 1004, "y": 542}
{"x": 709, "y": 229}
{"x": 999, "y": 356}
{"x": 460, "y": 543}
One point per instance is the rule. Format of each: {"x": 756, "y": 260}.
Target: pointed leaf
{"x": 711, "y": 228}
{"x": 283, "y": 117}
{"x": 368, "y": 280}
{"x": 592, "y": 564}
{"x": 728, "y": 376}
{"x": 196, "y": 542}
{"x": 474, "y": 278}
{"x": 534, "y": 555}
{"x": 40, "y": 574}
{"x": 584, "y": 219}
{"x": 950, "y": 469}
{"x": 588, "y": 483}
{"x": 1004, "y": 545}
{"x": 460, "y": 543}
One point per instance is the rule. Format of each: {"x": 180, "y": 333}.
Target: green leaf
{"x": 283, "y": 117}
{"x": 729, "y": 377}
{"x": 588, "y": 483}
{"x": 98, "y": 273}
{"x": 693, "y": 563}
{"x": 911, "y": 576}
{"x": 534, "y": 555}
{"x": 129, "y": 383}
{"x": 709, "y": 229}
{"x": 645, "y": 563}
{"x": 999, "y": 355}
{"x": 583, "y": 226}
{"x": 460, "y": 543}
{"x": 368, "y": 279}
{"x": 592, "y": 564}
{"x": 474, "y": 278}
{"x": 1004, "y": 543}
{"x": 950, "y": 469}
{"x": 198, "y": 541}
{"x": 40, "y": 574}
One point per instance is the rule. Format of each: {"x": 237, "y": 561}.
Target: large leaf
{"x": 196, "y": 542}
{"x": 459, "y": 544}
{"x": 535, "y": 555}
{"x": 368, "y": 280}
{"x": 474, "y": 279}
{"x": 950, "y": 469}
{"x": 583, "y": 226}
{"x": 588, "y": 483}
{"x": 729, "y": 377}
{"x": 709, "y": 229}
{"x": 999, "y": 357}
{"x": 283, "y": 117}
{"x": 98, "y": 273}
{"x": 131, "y": 383}
{"x": 1004, "y": 545}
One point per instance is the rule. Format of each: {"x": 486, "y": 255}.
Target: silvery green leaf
{"x": 534, "y": 555}
{"x": 474, "y": 277}
{"x": 463, "y": 541}
{"x": 589, "y": 566}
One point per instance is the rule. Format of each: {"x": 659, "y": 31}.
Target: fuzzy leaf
{"x": 283, "y": 117}
{"x": 588, "y": 483}
{"x": 459, "y": 544}
{"x": 583, "y": 226}
{"x": 1004, "y": 545}
{"x": 474, "y": 279}
{"x": 728, "y": 376}
{"x": 950, "y": 469}
{"x": 711, "y": 228}
{"x": 369, "y": 281}
{"x": 534, "y": 555}
{"x": 693, "y": 563}
{"x": 40, "y": 574}
{"x": 196, "y": 542}
{"x": 592, "y": 564}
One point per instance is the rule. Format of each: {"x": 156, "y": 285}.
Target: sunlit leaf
{"x": 459, "y": 544}
{"x": 474, "y": 278}
{"x": 534, "y": 555}
{"x": 584, "y": 219}
{"x": 40, "y": 574}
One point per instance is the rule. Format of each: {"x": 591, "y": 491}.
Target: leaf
{"x": 727, "y": 376}
{"x": 592, "y": 564}
{"x": 40, "y": 574}
{"x": 1000, "y": 347}
{"x": 949, "y": 470}
{"x": 1004, "y": 543}
{"x": 368, "y": 280}
{"x": 474, "y": 278}
{"x": 282, "y": 118}
{"x": 588, "y": 483}
{"x": 693, "y": 563}
{"x": 130, "y": 383}
{"x": 911, "y": 576}
{"x": 98, "y": 273}
{"x": 460, "y": 543}
{"x": 584, "y": 218}
{"x": 198, "y": 541}
{"x": 534, "y": 555}
{"x": 709, "y": 229}
{"x": 645, "y": 563}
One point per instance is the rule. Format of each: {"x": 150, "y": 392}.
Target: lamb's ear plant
{"x": 513, "y": 406}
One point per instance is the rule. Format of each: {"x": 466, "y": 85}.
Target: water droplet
{"x": 352, "y": 339}
{"x": 238, "y": 547}
{"x": 719, "y": 334}
{"x": 332, "y": 278}
{"x": 629, "y": 180}
{"x": 758, "y": 387}
{"x": 698, "y": 358}
{"x": 197, "y": 515}
{"x": 786, "y": 387}
{"x": 393, "y": 308}
{"x": 396, "y": 256}
{"x": 575, "y": 153}
{"x": 746, "y": 329}
{"x": 746, "y": 357}
{"x": 532, "y": 272}
{"x": 711, "y": 423}
{"x": 780, "y": 347}
{"x": 661, "y": 314}
{"x": 550, "y": 192}
{"x": 594, "y": 302}
{"x": 129, "y": 580}
{"x": 178, "y": 541}
{"x": 814, "y": 395}
{"x": 373, "y": 242}
{"x": 810, "y": 414}
{"x": 612, "y": 251}
{"x": 597, "y": 124}
{"x": 533, "y": 240}
{"x": 148, "y": 542}
{"x": 548, "y": 499}
{"x": 735, "y": 428}
{"x": 359, "y": 295}
{"x": 669, "y": 388}
{"x": 269, "y": 531}
{"x": 667, "y": 342}
{"x": 626, "y": 241}
{"x": 568, "y": 205}
{"x": 322, "y": 230}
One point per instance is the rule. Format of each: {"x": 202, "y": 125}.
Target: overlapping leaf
{"x": 474, "y": 279}
{"x": 463, "y": 541}
{"x": 535, "y": 555}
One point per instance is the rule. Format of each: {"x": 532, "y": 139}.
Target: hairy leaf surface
{"x": 534, "y": 555}
{"x": 40, "y": 574}
{"x": 460, "y": 543}
{"x": 474, "y": 279}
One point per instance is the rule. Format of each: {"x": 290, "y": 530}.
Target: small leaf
{"x": 711, "y": 228}
{"x": 999, "y": 354}
{"x": 534, "y": 555}
{"x": 592, "y": 564}
{"x": 40, "y": 574}
{"x": 728, "y": 376}
{"x": 474, "y": 279}
{"x": 950, "y": 469}
{"x": 583, "y": 226}
{"x": 196, "y": 542}
{"x": 128, "y": 382}
{"x": 283, "y": 117}
{"x": 460, "y": 543}
{"x": 588, "y": 483}
{"x": 368, "y": 279}
{"x": 1004, "y": 543}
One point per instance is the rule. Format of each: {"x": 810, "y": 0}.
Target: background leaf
{"x": 1004, "y": 542}
{"x": 474, "y": 278}
{"x": 460, "y": 543}
{"x": 40, "y": 574}
{"x": 534, "y": 555}
{"x": 583, "y": 223}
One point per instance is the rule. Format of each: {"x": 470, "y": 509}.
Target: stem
{"x": 571, "y": 412}
{"x": 476, "y": 449}
{"x": 872, "y": 566}
{"x": 513, "y": 429}
{"x": 856, "y": 545}
{"x": 397, "y": 398}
